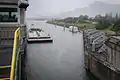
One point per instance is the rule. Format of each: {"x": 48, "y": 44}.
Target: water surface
{"x": 61, "y": 60}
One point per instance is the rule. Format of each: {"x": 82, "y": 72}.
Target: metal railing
{"x": 15, "y": 55}
{"x": 12, "y": 39}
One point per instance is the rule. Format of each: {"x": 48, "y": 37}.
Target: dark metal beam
{"x": 8, "y": 3}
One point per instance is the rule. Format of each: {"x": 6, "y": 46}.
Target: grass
{"x": 108, "y": 31}
{"x": 85, "y": 25}
{"x": 82, "y": 26}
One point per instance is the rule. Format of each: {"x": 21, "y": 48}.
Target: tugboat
{"x": 38, "y": 35}
{"x": 12, "y": 38}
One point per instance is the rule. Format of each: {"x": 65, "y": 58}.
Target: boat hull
{"x": 36, "y": 35}
{"x": 39, "y": 40}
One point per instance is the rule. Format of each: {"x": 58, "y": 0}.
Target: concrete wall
{"x": 114, "y": 53}
{"x": 118, "y": 57}
{"x": 99, "y": 70}
{"x": 105, "y": 69}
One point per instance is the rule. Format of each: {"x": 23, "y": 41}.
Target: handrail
{"x": 5, "y": 66}
{"x": 4, "y": 78}
{"x": 16, "y": 35}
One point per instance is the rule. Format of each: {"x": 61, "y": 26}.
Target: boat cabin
{"x": 12, "y": 12}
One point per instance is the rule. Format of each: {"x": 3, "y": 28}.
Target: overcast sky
{"x": 50, "y": 7}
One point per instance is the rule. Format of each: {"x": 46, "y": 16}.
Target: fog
{"x": 52, "y": 7}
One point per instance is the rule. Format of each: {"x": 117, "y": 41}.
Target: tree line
{"x": 102, "y": 21}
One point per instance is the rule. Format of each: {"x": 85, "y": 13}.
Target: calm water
{"x": 61, "y": 60}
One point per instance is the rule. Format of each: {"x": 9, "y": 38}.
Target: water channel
{"x": 61, "y": 60}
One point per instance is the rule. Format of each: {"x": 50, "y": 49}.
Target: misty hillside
{"x": 92, "y": 10}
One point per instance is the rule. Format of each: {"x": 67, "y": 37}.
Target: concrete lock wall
{"x": 114, "y": 54}
{"x": 105, "y": 66}
{"x": 118, "y": 57}
{"x": 100, "y": 70}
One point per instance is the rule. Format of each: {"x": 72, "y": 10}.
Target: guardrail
{"x": 15, "y": 55}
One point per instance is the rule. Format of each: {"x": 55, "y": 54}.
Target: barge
{"x": 102, "y": 54}
{"x": 36, "y": 35}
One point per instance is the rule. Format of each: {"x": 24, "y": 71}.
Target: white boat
{"x": 73, "y": 29}
{"x": 38, "y": 35}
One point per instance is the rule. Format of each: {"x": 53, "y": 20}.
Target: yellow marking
{"x": 16, "y": 34}
{"x": 5, "y": 66}
{"x": 4, "y": 78}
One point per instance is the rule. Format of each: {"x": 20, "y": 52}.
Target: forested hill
{"x": 92, "y": 10}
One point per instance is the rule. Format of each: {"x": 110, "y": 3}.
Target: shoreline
{"x": 81, "y": 26}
